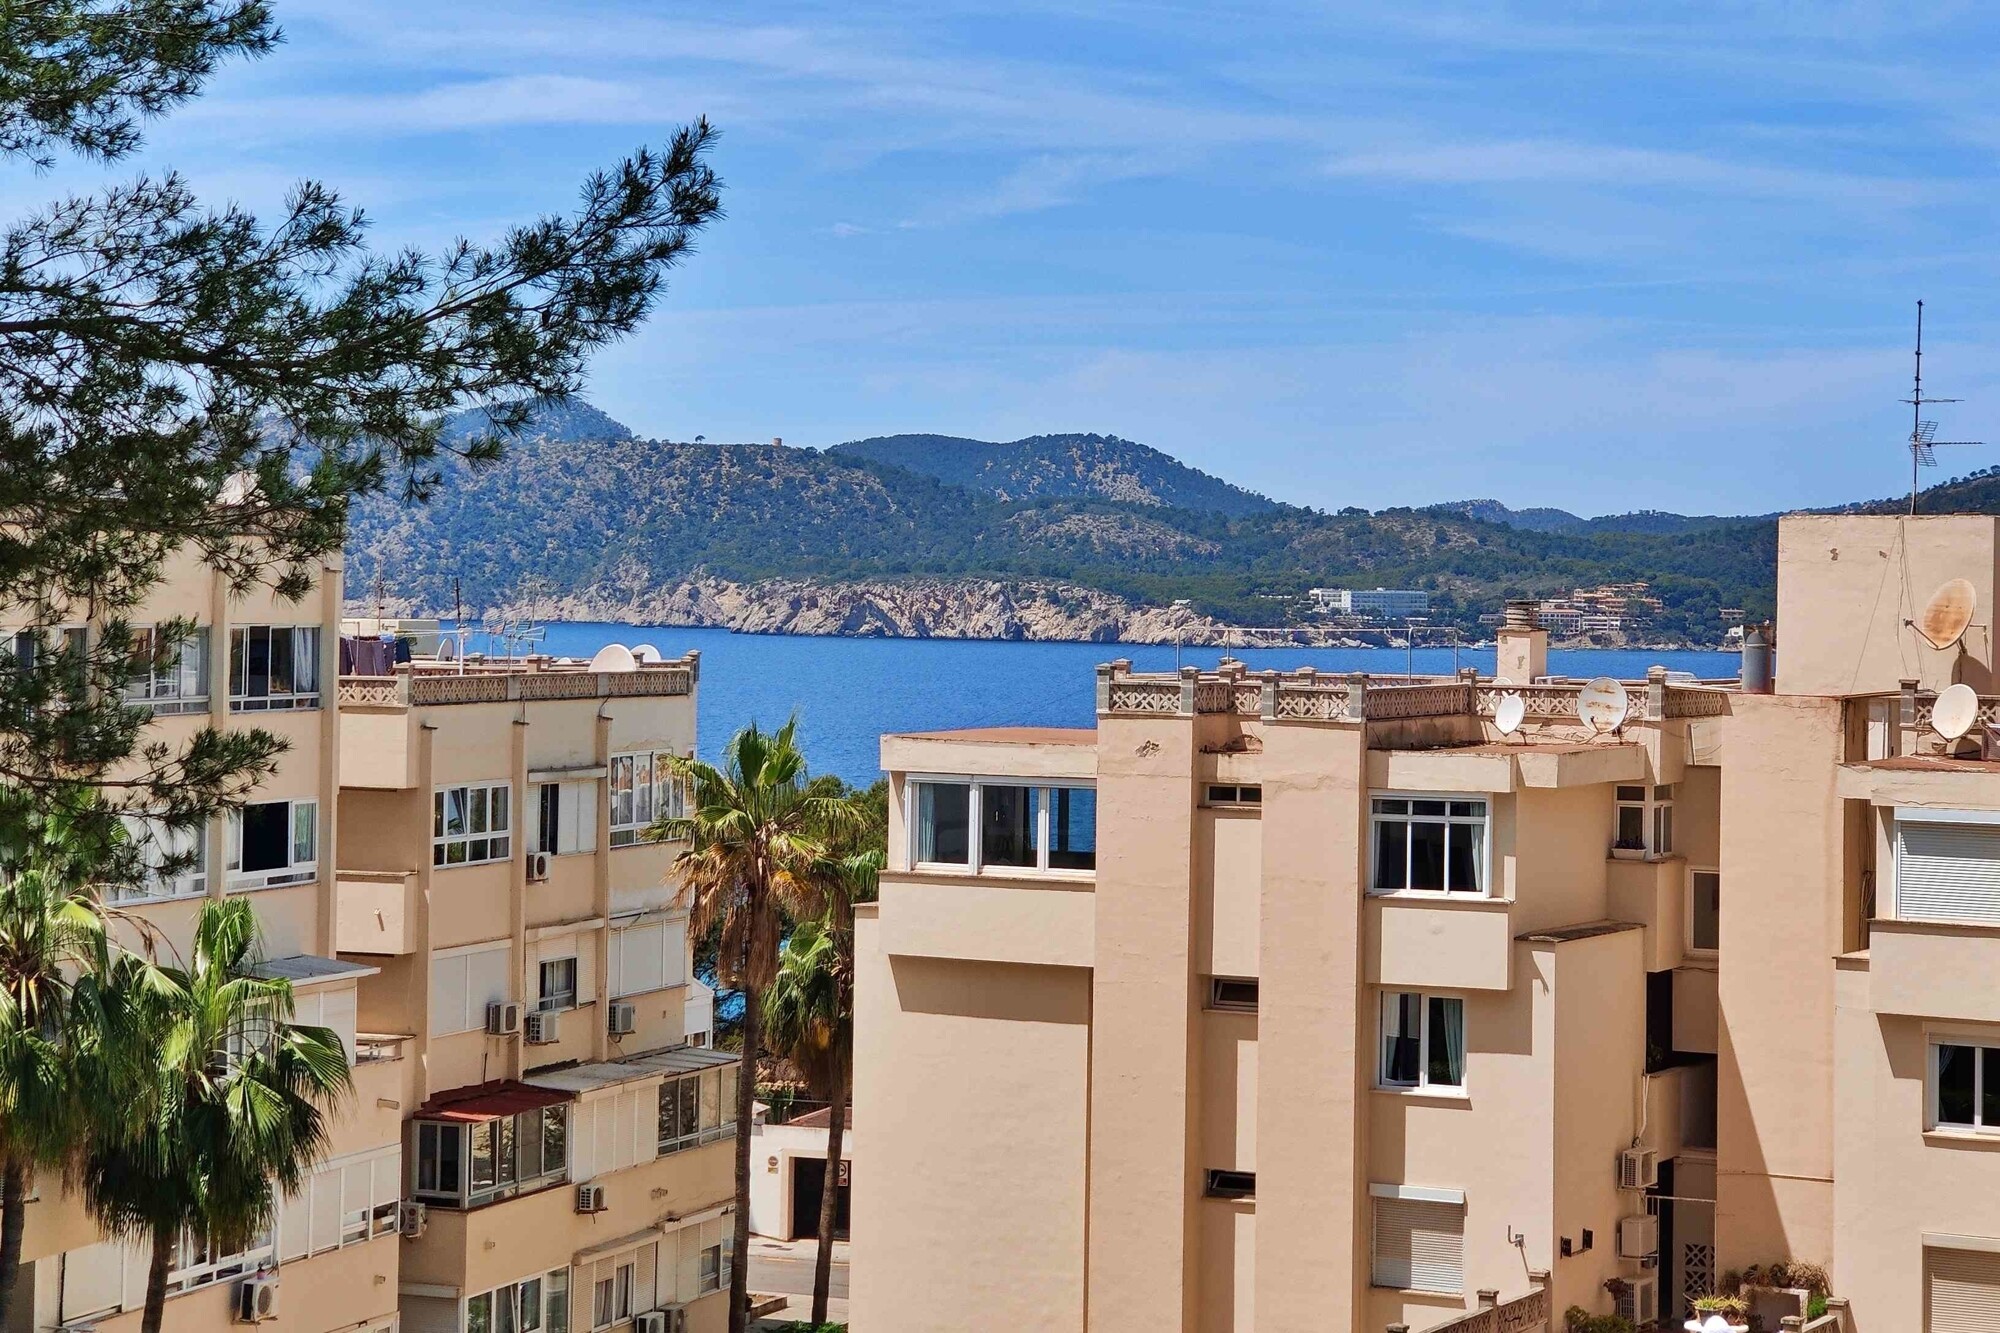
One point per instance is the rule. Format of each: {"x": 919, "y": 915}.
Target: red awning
{"x": 490, "y": 1101}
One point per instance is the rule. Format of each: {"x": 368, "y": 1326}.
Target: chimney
{"x": 1522, "y": 643}
{"x": 1756, "y": 676}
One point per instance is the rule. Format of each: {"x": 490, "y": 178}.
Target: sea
{"x": 847, "y": 692}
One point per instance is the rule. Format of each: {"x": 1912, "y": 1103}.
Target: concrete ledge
{"x": 1055, "y": 927}
{"x": 1448, "y": 944}
{"x": 1930, "y": 970}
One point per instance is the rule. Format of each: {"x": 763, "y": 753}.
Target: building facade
{"x": 1375, "y": 603}
{"x": 451, "y": 866}
{"x": 1302, "y": 1001}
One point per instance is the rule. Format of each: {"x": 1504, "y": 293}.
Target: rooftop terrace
{"x": 477, "y": 680}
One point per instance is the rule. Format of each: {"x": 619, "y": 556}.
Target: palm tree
{"x": 240, "y": 1102}
{"x": 752, "y": 836}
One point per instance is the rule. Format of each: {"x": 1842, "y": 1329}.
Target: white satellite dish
{"x": 447, "y": 649}
{"x": 614, "y": 657}
{"x": 1956, "y": 709}
{"x": 1501, "y": 682}
{"x": 1945, "y": 616}
{"x": 1602, "y": 704}
{"x": 1509, "y": 713}
{"x": 646, "y": 652}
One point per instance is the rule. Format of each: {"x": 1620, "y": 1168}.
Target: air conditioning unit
{"x": 1639, "y": 1301}
{"x": 653, "y": 1321}
{"x": 674, "y": 1317}
{"x": 257, "y": 1299}
{"x": 624, "y": 1018}
{"x": 1638, "y": 1168}
{"x": 1638, "y": 1236}
{"x": 410, "y": 1218}
{"x": 590, "y": 1198}
{"x": 539, "y": 1029}
{"x": 503, "y": 1019}
{"x": 538, "y": 866}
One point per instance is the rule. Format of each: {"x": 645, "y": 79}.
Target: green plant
{"x": 1576, "y": 1319}
{"x": 1734, "y": 1307}
{"x": 806, "y": 1326}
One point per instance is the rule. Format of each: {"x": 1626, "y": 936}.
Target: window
{"x": 1947, "y": 868}
{"x": 1017, "y": 826}
{"x": 1965, "y": 1086}
{"x": 1223, "y": 794}
{"x": 1429, "y": 844}
{"x": 1237, "y": 993}
{"x": 643, "y": 789}
{"x": 273, "y": 667}
{"x": 537, "y": 1304}
{"x": 169, "y": 677}
{"x": 611, "y": 1297}
{"x": 470, "y": 824}
{"x": 470, "y": 1164}
{"x": 566, "y": 817}
{"x": 196, "y": 1261}
{"x": 647, "y": 956}
{"x": 175, "y": 862}
{"x": 274, "y": 842}
{"x": 1231, "y": 1185}
{"x": 1419, "y": 1239}
{"x": 464, "y": 981}
{"x": 1644, "y": 820}
{"x": 1423, "y": 1041}
{"x": 698, "y": 1108}
{"x": 558, "y": 988}
{"x": 1705, "y": 911}
{"x": 712, "y": 1274}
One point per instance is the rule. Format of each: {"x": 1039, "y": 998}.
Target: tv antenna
{"x": 1923, "y": 441}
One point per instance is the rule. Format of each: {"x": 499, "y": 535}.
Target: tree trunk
{"x": 746, "y": 1097}
{"x": 156, "y": 1278}
{"x": 829, "y": 1195}
{"x": 15, "y": 1176}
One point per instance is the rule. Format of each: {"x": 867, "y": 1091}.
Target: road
{"x": 791, "y": 1272}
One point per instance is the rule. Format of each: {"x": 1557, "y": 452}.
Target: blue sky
{"x": 1599, "y": 256}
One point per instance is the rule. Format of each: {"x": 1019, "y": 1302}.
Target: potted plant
{"x": 1719, "y": 1314}
{"x": 1628, "y": 849}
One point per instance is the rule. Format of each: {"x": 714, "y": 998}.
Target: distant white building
{"x": 1379, "y": 603}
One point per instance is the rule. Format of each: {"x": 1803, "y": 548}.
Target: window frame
{"x": 294, "y": 871}
{"x": 160, "y": 688}
{"x": 1933, "y": 1121}
{"x": 1423, "y": 1087}
{"x": 543, "y": 995}
{"x": 443, "y": 841}
{"x": 1656, "y": 819}
{"x": 550, "y": 1286}
{"x": 666, "y": 796}
{"x": 241, "y": 700}
{"x": 1236, "y": 800}
{"x": 975, "y": 862}
{"x": 1236, "y": 1004}
{"x": 1488, "y": 888}
{"x": 719, "y": 1078}
{"x": 1699, "y": 950}
{"x": 1378, "y": 1191}
{"x": 189, "y": 883}
{"x": 466, "y": 1197}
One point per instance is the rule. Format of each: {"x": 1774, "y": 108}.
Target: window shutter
{"x": 1419, "y": 1245}
{"x": 577, "y": 830}
{"x": 675, "y": 962}
{"x": 293, "y": 1217}
{"x": 1948, "y": 872}
{"x": 338, "y": 1009}
{"x": 448, "y": 982}
{"x": 639, "y": 959}
{"x": 92, "y": 1280}
{"x": 1964, "y": 1290}
{"x": 325, "y": 1210}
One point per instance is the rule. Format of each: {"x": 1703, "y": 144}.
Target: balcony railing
{"x": 1306, "y": 695}
{"x": 1523, "y": 1314}
{"x": 429, "y": 683}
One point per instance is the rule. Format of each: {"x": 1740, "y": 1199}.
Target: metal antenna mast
{"x": 1923, "y": 445}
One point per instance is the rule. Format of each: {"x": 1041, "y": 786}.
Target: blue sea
{"x": 847, "y": 692}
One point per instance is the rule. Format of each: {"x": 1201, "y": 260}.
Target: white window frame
{"x": 189, "y": 883}
{"x": 1656, "y": 819}
{"x": 467, "y": 1195}
{"x": 296, "y": 871}
{"x": 162, "y": 688}
{"x": 715, "y": 1106}
{"x": 1909, "y": 814}
{"x": 542, "y": 992}
{"x": 579, "y": 792}
{"x": 442, "y": 842}
{"x": 665, "y": 797}
{"x": 546, "y": 1298}
{"x": 1423, "y": 1086}
{"x": 1978, "y": 1045}
{"x": 1487, "y": 889}
{"x": 975, "y": 812}
{"x": 306, "y": 644}
{"x": 1697, "y": 950}
{"x": 192, "y": 1267}
{"x": 1419, "y": 1194}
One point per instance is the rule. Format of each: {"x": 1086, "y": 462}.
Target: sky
{"x": 1601, "y": 256}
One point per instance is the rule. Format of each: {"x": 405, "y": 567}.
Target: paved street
{"x": 786, "y": 1267}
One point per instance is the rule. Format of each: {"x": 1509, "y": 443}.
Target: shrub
{"x": 1732, "y": 1307}
{"x": 1576, "y": 1319}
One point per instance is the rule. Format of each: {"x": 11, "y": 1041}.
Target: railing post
{"x": 1837, "y": 1307}
{"x": 1104, "y": 686}
{"x": 1488, "y": 1297}
{"x": 1468, "y": 684}
{"x": 1906, "y": 719}
{"x": 1397, "y": 1328}
{"x": 1357, "y": 696}
{"x": 1267, "y": 695}
{"x": 1190, "y": 678}
{"x": 693, "y": 656}
{"x": 1656, "y": 693}
{"x": 1791, "y": 1322}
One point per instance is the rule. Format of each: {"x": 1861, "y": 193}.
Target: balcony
{"x": 1929, "y": 969}
{"x": 1653, "y": 894}
{"x": 1434, "y": 941}
{"x": 377, "y": 912}
{"x": 1680, "y": 1108}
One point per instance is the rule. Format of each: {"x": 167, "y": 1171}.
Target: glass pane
{"x": 267, "y": 836}
{"x": 305, "y": 840}
{"x": 1631, "y": 827}
{"x": 305, "y": 659}
{"x": 498, "y": 810}
{"x": 690, "y": 1106}
{"x": 437, "y": 814}
{"x": 1989, "y": 1085}
{"x": 280, "y": 641}
{"x": 1465, "y": 863}
{"x": 1426, "y": 854}
{"x": 1401, "y": 1036}
{"x": 1072, "y": 828}
{"x": 529, "y": 1129}
{"x": 1707, "y": 932}
{"x": 1954, "y": 1085}
{"x": 504, "y": 1309}
{"x": 531, "y": 1304}
{"x": 1392, "y": 854}
{"x": 944, "y": 815}
{"x": 483, "y": 1166}
{"x": 504, "y": 1150}
{"x": 642, "y": 789}
{"x": 479, "y": 1313}
{"x": 1006, "y": 826}
{"x": 1388, "y": 805}
{"x": 1446, "y": 1057}
{"x": 555, "y": 1138}
{"x": 451, "y": 1148}
{"x": 1663, "y": 830}
{"x": 621, "y": 790}
{"x": 475, "y": 810}
{"x": 1468, "y": 809}
{"x": 1631, "y": 793}
{"x": 454, "y": 812}
{"x": 557, "y": 1283}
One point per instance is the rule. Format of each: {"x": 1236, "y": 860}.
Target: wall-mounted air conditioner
{"x": 590, "y": 1198}
{"x": 1638, "y": 1168}
{"x": 1639, "y": 1301}
{"x": 538, "y": 867}
{"x": 623, "y": 1018}
{"x": 1638, "y": 1236}
{"x": 410, "y": 1218}
{"x": 541, "y": 1028}
{"x": 257, "y": 1299}
{"x": 503, "y": 1019}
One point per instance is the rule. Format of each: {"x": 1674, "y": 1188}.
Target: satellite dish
{"x": 646, "y": 652}
{"x": 1947, "y": 613}
{"x": 1602, "y": 704}
{"x": 446, "y": 649}
{"x": 1501, "y": 682}
{"x": 1509, "y": 713}
{"x": 1956, "y": 709}
{"x": 614, "y": 657}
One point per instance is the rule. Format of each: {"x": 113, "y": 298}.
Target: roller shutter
{"x": 1961, "y": 1291}
{"x": 1419, "y": 1245}
{"x": 1948, "y": 872}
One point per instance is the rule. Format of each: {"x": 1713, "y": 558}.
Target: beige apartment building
{"x": 451, "y": 867}
{"x": 1300, "y": 1001}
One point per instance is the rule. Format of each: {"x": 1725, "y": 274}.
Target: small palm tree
{"x": 240, "y": 1099}
{"x": 752, "y": 837}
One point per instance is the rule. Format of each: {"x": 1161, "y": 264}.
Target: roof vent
{"x": 1523, "y": 613}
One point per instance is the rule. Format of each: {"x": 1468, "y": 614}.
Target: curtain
{"x": 1447, "y": 1042}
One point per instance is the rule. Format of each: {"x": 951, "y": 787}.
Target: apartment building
{"x": 1288, "y": 1000}
{"x": 450, "y": 865}
{"x": 567, "y": 1162}
{"x": 1374, "y": 603}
